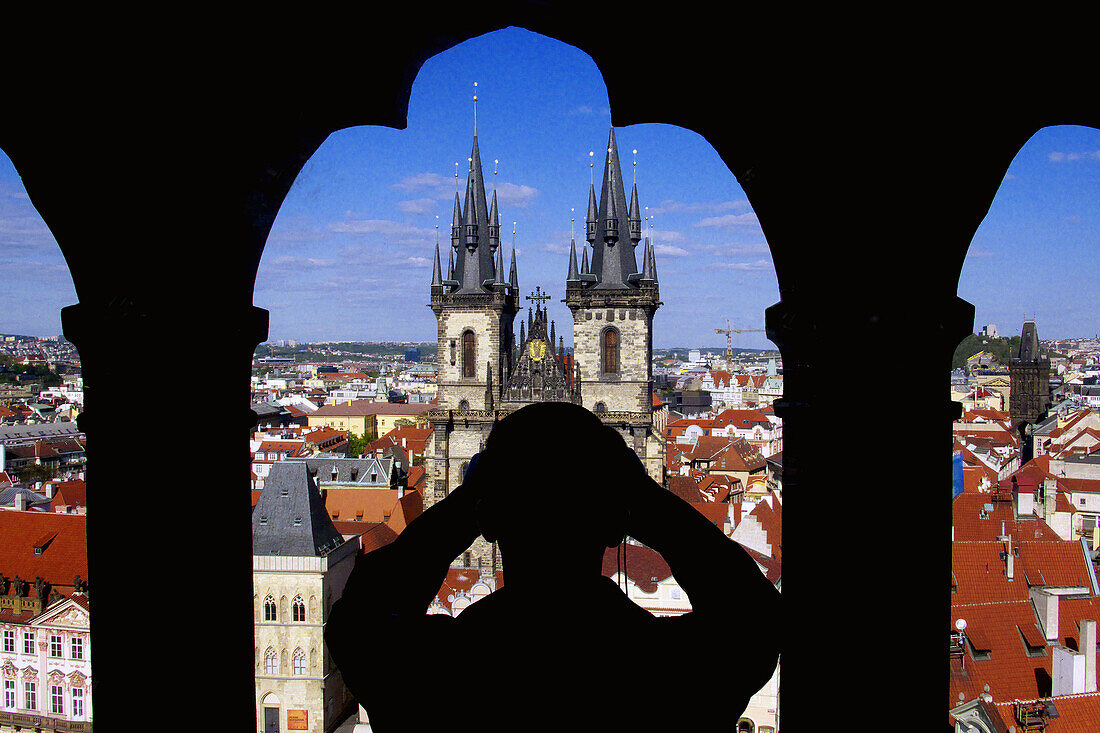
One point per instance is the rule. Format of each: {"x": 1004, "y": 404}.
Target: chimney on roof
{"x": 20, "y": 501}
{"x": 1046, "y": 607}
{"x": 1088, "y": 648}
{"x": 1067, "y": 672}
{"x": 1009, "y": 558}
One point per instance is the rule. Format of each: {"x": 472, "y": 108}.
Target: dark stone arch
{"x": 203, "y": 154}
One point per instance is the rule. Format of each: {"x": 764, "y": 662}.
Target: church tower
{"x": 1029, "y": 381}
{"x": 613, "y": 302}
{"x": 475, "y": 305}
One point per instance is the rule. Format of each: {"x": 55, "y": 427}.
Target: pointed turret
{"x": 649, "y": 270}
{"x": 498, "y": 268}
{"x": 574, "y": 273}
{"x": 635, "y": 216}
{"x": 584, "y": 262}
{"x": 494, "y": 224}
{"x": 456, "y": 224}
{"x": 437, "y": 270}
{"x": 513, "y": 273}
{"x": 593, "y": 212}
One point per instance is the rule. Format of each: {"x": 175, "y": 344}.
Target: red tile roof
{"x": 642, "y": 565}
{"x": 63, "y": 558}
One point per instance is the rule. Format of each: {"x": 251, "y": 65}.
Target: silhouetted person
{"x": 559, "y": 646}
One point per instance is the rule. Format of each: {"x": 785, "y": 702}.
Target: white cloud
{"x": 1059, "y": 157}
{"x": 418, "y": 261}
{"x": 555, "y": 248}
{"x": 515, "y": 194}
{"x": 735, "y": 249}
{"x": 424, "y": 180}
{"x": 670, "y": 251}
{"x": 730, "y": 220}
{"x": 710, "y": 207}
{"x": 755, "y": 266}
{"x": 417, "y": 206}
{"x": 377, "y": 226}
{"x": 664, "y": 235}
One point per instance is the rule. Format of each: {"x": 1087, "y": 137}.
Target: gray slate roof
{"x": 351, "y": 470}
{"x": 290, "y": 517}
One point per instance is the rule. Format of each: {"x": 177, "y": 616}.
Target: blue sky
{"x": 349, "y": 256}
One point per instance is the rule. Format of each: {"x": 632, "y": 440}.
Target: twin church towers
{"x": 484, "y": 370}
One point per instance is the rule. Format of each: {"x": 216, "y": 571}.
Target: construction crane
{"x": 729, "y": 338}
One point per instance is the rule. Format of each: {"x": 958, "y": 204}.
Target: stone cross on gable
{"x": 538, "y": 296}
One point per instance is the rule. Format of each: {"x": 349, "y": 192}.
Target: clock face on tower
{"x": 537, "y": 349}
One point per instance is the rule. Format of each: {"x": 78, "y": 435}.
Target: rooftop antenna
{"x": 475, "y": 109}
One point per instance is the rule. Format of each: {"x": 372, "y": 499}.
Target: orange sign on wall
{"x": 297, "y": 719}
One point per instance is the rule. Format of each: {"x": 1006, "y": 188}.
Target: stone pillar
{"x": 206, "y": 498}
{"x": 817, "y": 340}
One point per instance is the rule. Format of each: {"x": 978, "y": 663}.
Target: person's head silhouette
{"x": 552, "y": 484}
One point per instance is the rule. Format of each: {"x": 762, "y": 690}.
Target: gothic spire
{"x": 456, "y": 224}
{"x": 593, "y": 213}
{"x": 498, "y": 267}
{"x": 612, "y": 261}
{"x": 584, "y": 261}
{"x": 475, "y": 258}
{"x": 635, "y": 216}
{"x": 649, "y": 271}
{"x": 437, "y": 271}
{"x": 494, "y": 224}
{"x": 573, "y": 274}
{"x": 513, "y": 274}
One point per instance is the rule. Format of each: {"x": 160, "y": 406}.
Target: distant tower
{"x": 1029, "y": 380}
{"x": 613, "y": 302}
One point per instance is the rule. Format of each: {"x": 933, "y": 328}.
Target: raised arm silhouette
{"x": 559, "y": 646}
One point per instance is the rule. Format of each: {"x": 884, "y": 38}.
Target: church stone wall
{"x": 629, "y": 389}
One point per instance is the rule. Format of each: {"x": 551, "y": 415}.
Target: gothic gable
{"x": 539, "y": 373}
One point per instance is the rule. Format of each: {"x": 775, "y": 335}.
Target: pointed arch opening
{"x": 1023, "y": 438}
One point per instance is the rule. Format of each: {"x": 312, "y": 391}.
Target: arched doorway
{"x": 270, "y": 713}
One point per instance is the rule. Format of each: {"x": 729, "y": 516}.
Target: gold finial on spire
{"x": 475, "y": 108}
{"x": 456, "y": 176}
{"x": 437, "y": 230}
{"x": 635, "y": 166}
{"x": 495, "y": 162}
{"x": 572, "y": 219}
{"x": 591, "y": 180}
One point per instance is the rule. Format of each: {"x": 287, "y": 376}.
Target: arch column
{"x": 872, "y": 514}
{"x": 168, "y": 496}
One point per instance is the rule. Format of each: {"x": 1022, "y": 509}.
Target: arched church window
{"x": 469, "y": 368}
{"x": 299, "y": 607}
{"x": 601, "y": 408}
{"x": 271, "y": 663}
{"x": 463, "y": 405}
{"x": 269, "y": 609}
{"x": 299, "y": 662}
{"x": 609, "y": 343}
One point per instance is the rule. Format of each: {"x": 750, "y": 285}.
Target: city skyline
{"x": 349, "y": 256}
